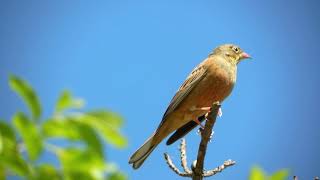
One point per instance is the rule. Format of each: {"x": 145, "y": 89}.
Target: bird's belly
{"x": 211, "y": 89}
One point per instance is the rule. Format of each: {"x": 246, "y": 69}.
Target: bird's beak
{"x": 245, "y": 55}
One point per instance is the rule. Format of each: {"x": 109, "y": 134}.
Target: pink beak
{"x": 244, "y": 55}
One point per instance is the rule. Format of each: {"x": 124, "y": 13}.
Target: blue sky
{"x": 131, "y": 56}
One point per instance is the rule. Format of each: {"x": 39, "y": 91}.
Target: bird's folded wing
{"x": 189, "y": 84}
{"x": 182, "y": 131}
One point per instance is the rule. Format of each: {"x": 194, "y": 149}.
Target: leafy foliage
{"x": 30, "y": 135}
{"x": 9, "y": 154}
{"x": 109, "y": 131}
{"x": 66, "y": 101}
{"x": 26, "y": 92}
{"x": 24, "y": 141}
{"x": 258, "y": 174}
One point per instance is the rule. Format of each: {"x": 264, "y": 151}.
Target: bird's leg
{"x": 219, "y": 111}
{"x": 195, "y": 119}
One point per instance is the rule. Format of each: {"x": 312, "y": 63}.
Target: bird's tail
{"x": 142, "y": 153}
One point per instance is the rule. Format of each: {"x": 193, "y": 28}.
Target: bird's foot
{"x": 219, "y": 114}
{"x": 200, "y": 109}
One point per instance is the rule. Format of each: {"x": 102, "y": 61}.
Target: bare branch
{"x": 205, "y": 137}
{"x": 174, "y": 168}
{"x": 296, "y": 178}
{"x": 219, "y": 168}
{"x": 183, "y": 157}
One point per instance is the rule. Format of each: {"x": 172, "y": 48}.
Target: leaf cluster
{"x": 258, "y": 174}
{"x": 75, "y": 138}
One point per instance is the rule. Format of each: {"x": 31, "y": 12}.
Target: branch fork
{"x": 197, "y": 172}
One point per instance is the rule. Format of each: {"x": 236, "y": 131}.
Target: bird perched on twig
{"x": 211, "y": 81}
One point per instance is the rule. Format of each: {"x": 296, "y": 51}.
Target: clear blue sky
{"x": 131, "y": 56}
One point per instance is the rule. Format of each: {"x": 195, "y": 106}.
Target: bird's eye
{"x": 236, "y": 49}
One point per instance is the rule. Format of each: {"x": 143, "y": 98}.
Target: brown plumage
{"x": 211, "y": 81}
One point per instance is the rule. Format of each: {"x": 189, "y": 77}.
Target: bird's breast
{"x": 216, "y": 86}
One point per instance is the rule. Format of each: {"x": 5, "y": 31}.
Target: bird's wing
{"x": 182, "y": 131}
{"x": 192, "y": 80}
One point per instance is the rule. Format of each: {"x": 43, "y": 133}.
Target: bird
{"x": 211, "y": 81}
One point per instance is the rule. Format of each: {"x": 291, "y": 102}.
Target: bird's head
{"x": 232, "y": 52}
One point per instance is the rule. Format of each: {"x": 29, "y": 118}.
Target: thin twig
{"x": 183, "y": 157}
{"x": 205, "y": 137}
{"x": 220, "y": 168}
{"x": 174, "y": 168}
{"x": 296, "y": 178}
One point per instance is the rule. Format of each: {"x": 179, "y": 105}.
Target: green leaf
{"x": 2, "y": 173}
{"x": 48, "y": 172}
{"x": 29, "y": 134}
{"x": 14, "y": 163}
{"x": 77, "y": 163}
{"x": 280, "y": 175}
{"x": 80, "y": 175}
{"x": 110, "y": 133}
{"x": 66, "y": 101}
{"x": 7, "y": 137}
{"x": 257, "y": 174}
{"x": 60, "y": 128}
{"x": 73, "y": 129}
{"x": 26, "y": 92}
{"x": 10, "y": 159}
{"x": 117, "y": 176}
{"x": 109, "y": 117}
{"x": 1, "y": 143}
